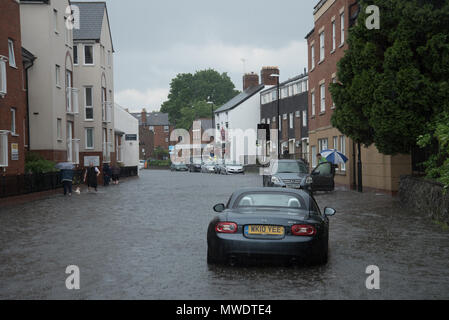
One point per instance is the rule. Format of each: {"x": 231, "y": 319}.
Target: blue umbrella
{"x": 334, "y": 156}
{"x": 65, "y": 166}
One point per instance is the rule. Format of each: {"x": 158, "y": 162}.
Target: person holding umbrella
{"x": 91, "y": 177}
{"x": 67, "y": 173}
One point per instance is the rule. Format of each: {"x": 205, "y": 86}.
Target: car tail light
{"x": 303, "y": 230}
{"x": 226, "y": 227}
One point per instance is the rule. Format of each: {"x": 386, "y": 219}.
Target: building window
{"x": 12, "y": 57}
{"x": 13, "y": 121}
{"x": 322, "y": 144}
{"x": 268, "y": 121}
{"x": 304, "y": 119}
{"x": 343, "y": 151}
{"x": 291, "y": 121}
{"x": 75, "y": 54}
{"x": 314, "y": 164}
{"x": 335, "y": 139}
{"x": 152, "y": 128}
{"x": 88, "y": 54}
{"x": 3, "y": 148}
{"x": 166, "y": 139}
{"x": 342, "y": 28}
{"x": 334, "y": 80}
{"x": 59, "y": 129}
{"x": 263, "y": 121}
{"x": 333, "y": 36}
{"x": 321, "y": 46}
{"x": 166, "y": 128}
{"x": 298, "y": 114}
{"x": 312, "y": 54}
{"x": 55, "y": 20}
{"x": 323, "y": 98}
{"x": 89, "y": 138}
{"x": 3, "y": 86}
{"x": 58, "y": 76}
{"x": 304, "y": 86}
{"x": 313, "y": 104}
{"x": 88, "y": 103}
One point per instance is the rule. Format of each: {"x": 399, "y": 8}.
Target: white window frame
{"x": 291, "y": 121}
{"x": 4, "y": 145}
{"x": 304, "y": 119}
{"x": 342, "y": 28}
{"x": 58, "y": 76}
{"x": 313, "y": 103}
{"x": 343, "y": 151}
{"x": 13, "y": 121}
{"x": 312, "y": 55}
{"x": 89, "y": 106}
{"x": 323, "y": 98}
{"x": 322, "y": 46}
{"x": 334, "y": 40}
{"x": 87, "y": 147}
{"x": 93, "y": 55}
{"x": 3, "y": 78}
{"x": 11, "y": 54}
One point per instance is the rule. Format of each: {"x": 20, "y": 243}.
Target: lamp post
{"x": 277, "y": 76}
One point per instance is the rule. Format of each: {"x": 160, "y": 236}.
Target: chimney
{"x": 267, "y": 79}
{"x": 250, "y": 80}
{"x": 144, "y": 117}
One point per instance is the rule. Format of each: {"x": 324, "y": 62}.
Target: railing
{"x": 107, "y": 112}
{"x": 72, "y": 101}
{"x": 73, "y": 151}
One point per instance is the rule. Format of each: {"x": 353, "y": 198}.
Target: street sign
{"x": 131, "y": 137}
{"x": 14, "y": 151}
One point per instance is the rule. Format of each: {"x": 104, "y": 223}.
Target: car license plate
{"x": 264, "y": 230}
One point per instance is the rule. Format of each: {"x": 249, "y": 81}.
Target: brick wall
{"x": 16, "y": 96}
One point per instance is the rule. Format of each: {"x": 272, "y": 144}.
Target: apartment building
{"x": 52, "y": 96}
{"x": 293, "y": 115}
{"x": 327, "y": 43}
{"x": 94, "y": 73}
{"x": 13, "y": 107}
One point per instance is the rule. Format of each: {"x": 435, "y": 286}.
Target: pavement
{"x": 146, "y": 239}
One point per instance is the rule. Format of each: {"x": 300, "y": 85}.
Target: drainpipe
{"x": 28, "y": 104}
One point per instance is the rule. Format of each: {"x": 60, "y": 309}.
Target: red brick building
{"x": 327, "y": 43}
{"x": 13, "y": 104}
{"x": 154, "y": 132}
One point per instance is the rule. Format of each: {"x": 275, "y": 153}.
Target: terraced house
{"x": 13, "y": 107}
{"x": 327, "y": 43}
{"x": 52, "y": 95}
{"x": 94, "y": 71}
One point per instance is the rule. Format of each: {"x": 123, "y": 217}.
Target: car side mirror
{"x": 219, "y": 207}
{"x": 329, "y": 212}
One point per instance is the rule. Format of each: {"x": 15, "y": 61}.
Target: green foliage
{"x": 391, "y": 79}
{"x": 189, "y": 94}
{"x": 35, "y": 163}
{"x": 160, "y": 153}
{"x": 159, "y": 163}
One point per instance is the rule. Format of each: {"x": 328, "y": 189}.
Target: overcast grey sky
{"x": 156, "y": 40}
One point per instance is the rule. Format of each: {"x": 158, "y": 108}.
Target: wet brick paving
{"x": 146, "y": 239}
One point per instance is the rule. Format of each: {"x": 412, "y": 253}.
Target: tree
{"x": 189, "y": 95}
{"x": 393, "y": 81}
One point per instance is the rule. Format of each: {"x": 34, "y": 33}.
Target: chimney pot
{"x": 250, "y": 80}
{"x": 266, "y": 77}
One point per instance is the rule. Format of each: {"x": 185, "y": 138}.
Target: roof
{"x": 240, "y": 98}
{"x": 299, "y": 77}
{"x": 91, "y": 21}
{"x": 153, "y": 118}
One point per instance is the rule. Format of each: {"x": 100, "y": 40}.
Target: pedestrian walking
{"x": 116, "y": 174}
{"x": 107, "y": 173}
{"x": 67, "y": 181}
{"x": 91, "y": 177}
{"x": 320, "y": 158}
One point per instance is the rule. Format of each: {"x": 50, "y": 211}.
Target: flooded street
{"x": 146, "y": 239}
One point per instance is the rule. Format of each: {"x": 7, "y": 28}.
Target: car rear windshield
{"x": 290, "y": 167}
{"x": 276, "y": 200}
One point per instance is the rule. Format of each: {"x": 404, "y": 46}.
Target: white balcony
{"x": 72, "y": 101}
{"x": 107, "y": 112}
{"x": 73, "y": 151}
